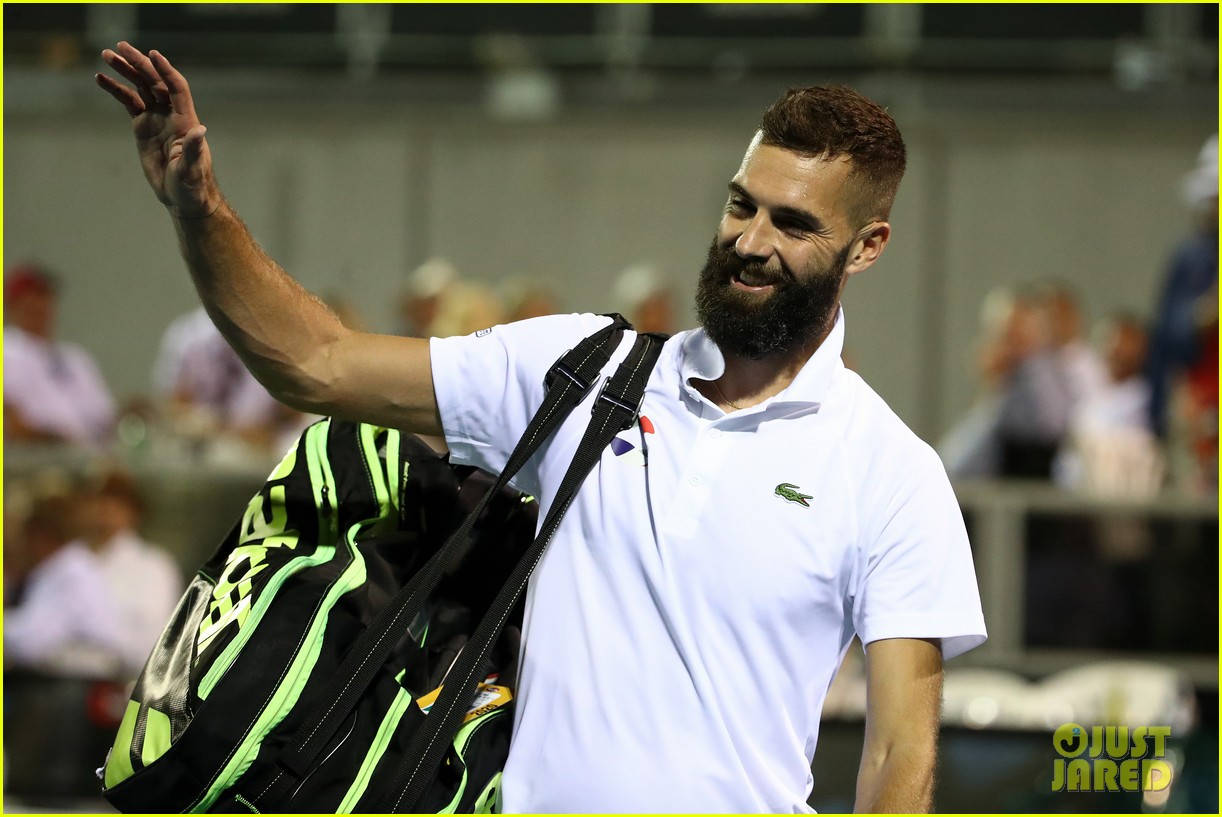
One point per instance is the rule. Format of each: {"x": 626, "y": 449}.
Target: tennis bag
{"x": 352, "y": 645}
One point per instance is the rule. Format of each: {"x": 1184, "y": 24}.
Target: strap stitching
{"x": 505, "y": 614}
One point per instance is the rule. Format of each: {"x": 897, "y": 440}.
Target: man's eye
{"x": 738, "y": 206}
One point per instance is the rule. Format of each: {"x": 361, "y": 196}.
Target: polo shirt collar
{"x": 701, "y": 359}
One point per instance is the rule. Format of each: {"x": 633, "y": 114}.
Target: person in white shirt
{"x": 143, "y": 579}
{"x": 1111, "y": 448}
{"x": 1082, "y": 368}
{"x": 688, "y": 617}
{"x": 196, "y": 371}
{"x": 53, "y": 390}
{"x": 64, "y": 619}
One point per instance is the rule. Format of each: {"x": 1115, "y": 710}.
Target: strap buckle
{"x": 561, "y": 370}
{"x": 619, "y": 403}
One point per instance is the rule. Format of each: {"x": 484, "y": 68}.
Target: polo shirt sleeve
{"x": 489, "y": 384}
{"x": 916, "y": 578}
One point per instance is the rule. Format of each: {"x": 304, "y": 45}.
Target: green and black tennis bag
{"x": 352, "y": 645}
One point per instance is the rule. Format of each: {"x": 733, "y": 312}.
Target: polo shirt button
{"x": 694, "y": 480}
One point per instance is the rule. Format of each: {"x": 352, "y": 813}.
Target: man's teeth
{"x": 754, "y": 279}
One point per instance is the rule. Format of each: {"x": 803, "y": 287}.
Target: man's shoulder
{"x": 880, "y": 439}
{"x": 547, "y": 331}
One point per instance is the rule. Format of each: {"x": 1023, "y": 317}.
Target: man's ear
{"x": 868, "y": 246}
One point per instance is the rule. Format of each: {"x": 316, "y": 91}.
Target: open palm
{"x": 169, "y": 136}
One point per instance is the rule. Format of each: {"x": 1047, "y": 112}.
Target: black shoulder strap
{"x": 615, "y": 410}
{"x": 569, "y": 381}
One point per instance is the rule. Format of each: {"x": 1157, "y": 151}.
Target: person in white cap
{"x": 645, "y": 298}
{"x": 683, "y": 627}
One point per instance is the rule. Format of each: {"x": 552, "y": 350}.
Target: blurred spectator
{"x": 421, "y": 296}
{"x": 1082, "y": 368}
{"x": 195, "y": 367}
{"x": 525, "y": 298}
{"x": 143, "y": 579}
{"x": 972, "y": 448}
{"x": 1023, "y": 413}
{"x": 63, "y": 618}
{"x": 1036, "y": 399}
{"x": 1187, "y": 306}
{"x": 1197, "y": 397}
{"x": 642, "y": 295}
{"x": 53, "y": 390}
{"x": 1111, "y": 448}
{"x": 208, "y": 390}
{"x": 464, "y": 307}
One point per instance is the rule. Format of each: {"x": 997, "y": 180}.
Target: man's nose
{"x": 755, "y": 241}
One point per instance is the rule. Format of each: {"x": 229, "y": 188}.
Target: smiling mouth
{"x": 753, "y": 283}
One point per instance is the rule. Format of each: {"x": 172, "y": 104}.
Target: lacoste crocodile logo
{"x": 789, "y": 491}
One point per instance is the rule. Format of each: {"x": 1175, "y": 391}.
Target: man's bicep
{"x": 386, "y": 380}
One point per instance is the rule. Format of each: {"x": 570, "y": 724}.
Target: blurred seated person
{"x": 1111, "y": 448}
{"x": 525, "y": 298}
{"x": 53, "y": 391}
{"x": 971, "y": 449}
{"x": 1036, "y": 400}
{"x": 63, "y": 617}
{"x": 465, "y": 307}
{"x": 209, "y": 393}
{"x": 421, "y": 296}
{"x": 143, "y": 579}
{"x": 1081, "y": 366}
{"x": 642, "y": 295}
{"x": 1023, "y": 412}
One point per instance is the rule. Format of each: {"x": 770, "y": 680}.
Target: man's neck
{"x": 746, "y": 382}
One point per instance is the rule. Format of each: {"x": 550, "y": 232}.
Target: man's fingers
{"x": 123, "y": 68}
{"x": 128, "y": 97}
{"x": 176, "y": 83}
{"x": 145, "y": 70}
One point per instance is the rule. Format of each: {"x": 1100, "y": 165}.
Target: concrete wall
{"x": 349, "y": 196}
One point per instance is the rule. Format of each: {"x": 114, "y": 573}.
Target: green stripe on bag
{"x": 119, "y": 764}
{"x": 386, "y": 729}
{"x": 156, "y": 736}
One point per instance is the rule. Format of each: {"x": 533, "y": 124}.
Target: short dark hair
{"x": 832, "y": 120}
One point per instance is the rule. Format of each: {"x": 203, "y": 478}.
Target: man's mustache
{"x": 731, "y": 264}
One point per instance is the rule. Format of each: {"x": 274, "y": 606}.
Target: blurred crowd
{"x": 1126, "y": 409}
{"x": 200, "y": 390}
{"x": 84, "y": 594}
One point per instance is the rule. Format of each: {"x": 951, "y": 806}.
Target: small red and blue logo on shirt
{"x": 626, "y": 450}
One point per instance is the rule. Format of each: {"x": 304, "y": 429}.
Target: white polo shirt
{"x": 685, "y": 623}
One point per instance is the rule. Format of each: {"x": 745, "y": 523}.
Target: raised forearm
{"x": 288, "y": 339}
{"x": 282, "y": 332}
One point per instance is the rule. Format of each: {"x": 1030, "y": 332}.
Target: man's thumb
{"x": 193, "y": 144}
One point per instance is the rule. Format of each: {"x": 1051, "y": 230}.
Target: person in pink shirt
{"x": 53, "y": 390}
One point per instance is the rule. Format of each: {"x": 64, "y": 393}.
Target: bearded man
{"x": 685, "y": 623}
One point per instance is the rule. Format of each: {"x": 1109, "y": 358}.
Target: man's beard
{"x": 751, "y": 326}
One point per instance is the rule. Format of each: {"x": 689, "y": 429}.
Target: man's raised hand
{"x": 169, "y": 136}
